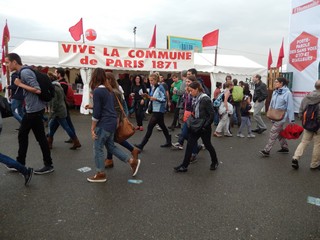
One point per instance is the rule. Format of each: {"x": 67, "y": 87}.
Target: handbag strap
{"x": 120, "y": 105}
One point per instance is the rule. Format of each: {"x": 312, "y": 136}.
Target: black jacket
{"x": 260, "y": 92}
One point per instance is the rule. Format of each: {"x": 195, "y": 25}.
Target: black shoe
{"x": 166, "y": 145}
{"x": 295, "y": 164}
{"x": 264, "y": 153}
{"x": 44, "y": 170}
{"x": 256, "y": 130}
{"x": 69, "y": 141}
{"x": 180, "y": 169}
{"x": 139, "y": 146}
{"x": 261, "y": 130}
{"x": 171, "y": 128}
{"x": 214, "y": 166}
{"x": 28, "y": 176}
{"x": 283, "y": 150}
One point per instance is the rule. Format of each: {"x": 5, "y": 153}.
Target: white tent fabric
{"x": 86, "y": 76}
{"x": 44, "y": 53}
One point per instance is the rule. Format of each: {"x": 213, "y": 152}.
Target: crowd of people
{"x": 195, "y": 113}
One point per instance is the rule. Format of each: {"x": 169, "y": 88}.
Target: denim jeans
{"x": 13, "y": 164}
{"x": 105, "y": 138}
{"x": 34, "y": 122}
{"x": 125, "y": 144}
{"x": 54, "y": 122}
{"x": 17, "y": 105}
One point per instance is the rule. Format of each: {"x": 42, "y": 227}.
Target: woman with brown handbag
{"x": 281, "y": 101}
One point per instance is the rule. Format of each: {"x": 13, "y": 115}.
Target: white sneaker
{"x": 158, "y": 128}
{"x": 240, "y": 135}
{"x": 177, "y": 146}
{"x": 251, "y": 135}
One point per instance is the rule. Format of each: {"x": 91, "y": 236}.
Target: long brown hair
{"x": 99, "y": 77}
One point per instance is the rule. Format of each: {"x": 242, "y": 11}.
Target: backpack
{"x": 5, "y": 108}
{"x": 45, "y": 84}
{"x": 310, "y": 118}
{"x": 205, "y": 89}
{"x": 237, "y": 94}
{"x": 70, "y": 94}
{"x": 217, "y": 102}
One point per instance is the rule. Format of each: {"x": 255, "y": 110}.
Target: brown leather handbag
{"x": 276, "y": 114}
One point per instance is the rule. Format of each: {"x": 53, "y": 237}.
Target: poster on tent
{"x": 121, "y": 58}
{"x": 304, "y": 49}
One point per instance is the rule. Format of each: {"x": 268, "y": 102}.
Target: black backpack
{"x": 5, "y": 108}
{"x": 45, "y": 84}
{"x": 310, "y": 119}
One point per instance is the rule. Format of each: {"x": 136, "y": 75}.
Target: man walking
{"x": 32, "y": 120}
{"x": 259, "y": 98}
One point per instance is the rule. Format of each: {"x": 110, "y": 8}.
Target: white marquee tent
{"x": 46, "y": 54}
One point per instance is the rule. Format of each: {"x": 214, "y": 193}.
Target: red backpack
{"x": 70, "y": 95}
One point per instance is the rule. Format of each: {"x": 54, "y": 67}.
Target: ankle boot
{"x": 168, "y": 143}
{"x": 50, "y": 141}
{"x": 76, "y": 144}
{"x": 108, "y": 163}
{"x": 135, "y": 152}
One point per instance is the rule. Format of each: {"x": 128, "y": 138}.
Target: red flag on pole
{"x": 269, "y": 59}
{"x": 76, "y": 31}
{"x": 153, "y": 42}
{"x": 5, "y": 40}
{"x": 281, "y": 56}
{"x": 210, "y": 39}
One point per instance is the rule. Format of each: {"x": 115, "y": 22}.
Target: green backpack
{"x": 237, "y": 94}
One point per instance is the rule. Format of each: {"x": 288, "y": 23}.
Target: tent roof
{"x": 230, "y": 64}
{"x": 46, "y": 54}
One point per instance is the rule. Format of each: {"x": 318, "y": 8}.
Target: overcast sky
{"x": 247, "y": 27}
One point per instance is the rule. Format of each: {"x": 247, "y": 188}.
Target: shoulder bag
{"x": 275, "y": 114}
{"x": 125, "y": 128}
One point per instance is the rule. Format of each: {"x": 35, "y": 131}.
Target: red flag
{"x": 281, "y": 56}
{"x": 76, "y": 31}
{"x": 153, "y": 42}
{"x": 269, "y": 59}
{"x": 5, "y": 40}
{"x": 210, "y": 39}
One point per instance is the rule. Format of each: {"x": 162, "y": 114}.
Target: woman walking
{"x": 202, "y": 118}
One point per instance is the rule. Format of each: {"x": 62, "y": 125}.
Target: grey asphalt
{"x": 248, "y": 197}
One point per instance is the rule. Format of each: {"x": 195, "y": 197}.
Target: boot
{"x": 108, "y": 163}
{"x": 76, "y": 144}
{"x": 50, "y": 141}
{"x": 135, "y": 152}
{"x": 141, "y": 145}
{"x": 168, "y": 143}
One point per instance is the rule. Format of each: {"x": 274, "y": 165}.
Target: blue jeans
{"x": 13, "y": 164}
{"x": 17, "y": 105}
{"x": 55, "y": 125}
{"x": 105, "y": 138}
{"x": 54, "y": 122}
{"x": 125, "y": 144}
{"x": 184, "y": 136}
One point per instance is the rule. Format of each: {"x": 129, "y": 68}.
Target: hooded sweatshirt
{"x": 311, "y": 98}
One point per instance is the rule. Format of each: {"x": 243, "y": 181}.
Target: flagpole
{"x": 6, "y": 51}
{"x": 82, "y": 32}
{"x": 215, "y": 55}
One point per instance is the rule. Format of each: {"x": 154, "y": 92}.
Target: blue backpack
{"x": 217, "y": 102}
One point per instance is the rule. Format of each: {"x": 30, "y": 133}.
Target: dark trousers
{"x": 192, "y": 142}
{"x": 34, "y": 122}
{"x": 139, "y": 111}
{"x": 175, "y": 114}
{"x": 157, "y": 118}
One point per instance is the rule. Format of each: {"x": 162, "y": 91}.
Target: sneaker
{"x": 99, "y": 177}
{"x": 228, "y": 135}
{"x": 202, "y": 146}
{"x": 141, "y": 128}
{"x": 44, "y": 170}
{"x": 28, "y": 176}
{"x": 264, "y": 153}
{"x": 135, "y": 166}
{"x": 240, "y": 135}
{"x": 177, "y": 146}
{"x": 177, "y": 135}
{"x": 251, "y": 135}
{"x": 214, "y": 166}
{"x": 158, "y": 128}
{"x": 193, "y": 159}
{"x": 12, "y": 169}
{"x": 283, "y": 150}
{"x": 216, "y": 134}
{"x": 295, "y": 164}
{"x": 108, "y": 163}
{"x": 137, "y": 128}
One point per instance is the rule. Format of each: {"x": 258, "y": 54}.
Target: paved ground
{"x": 248, "y": 197}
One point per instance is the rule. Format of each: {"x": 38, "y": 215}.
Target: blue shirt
{"x": 103, "y": 109}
